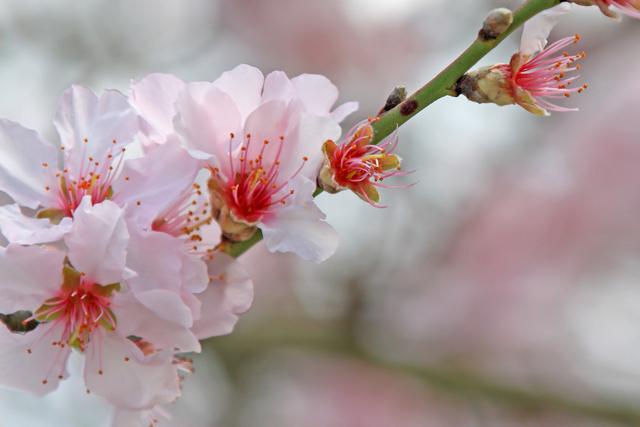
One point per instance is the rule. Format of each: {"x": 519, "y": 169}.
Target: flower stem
{"x": 442, "y": 84}
{"x": 439, "y": 87}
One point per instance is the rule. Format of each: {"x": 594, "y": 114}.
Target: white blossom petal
{"x": 343, "y": 111}
{"x": 98, "y": 241}
{"x": 154, "y": 97}
{"x": 317, "y": 93}
{"x": 100, "y": 120}
{"x": 229, "y": 294}
{"x": 128, "y": 379}
{"x": 150, "y": 184}
{"x": 19, "y": 228}
{"x": 206, "y": 118}
{"x": 244, "y": 85}
{"x": 29, "y": 362}
{"x": 277, "y": 87}
{"x": 537, "y": 29}
{"x": 28, "y": 276}
{"x": 135, "y": 319}
{"x": 300, "y": 227}
{"x": 23, "y": 157}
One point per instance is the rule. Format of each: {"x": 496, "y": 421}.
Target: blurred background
{"x": 501, "y": 290}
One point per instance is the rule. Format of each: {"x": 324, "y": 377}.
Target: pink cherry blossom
{"x": 537, "y": 82}
{"x": 149, "y": 181}
{"x": 262, "y": 139}
{"x": 76, "y": 296}
{"x": 358, "y": 165}
{"x": 94, "y": 134}
{"x": 539, "y": 74}
{"x": 125, "y": 298}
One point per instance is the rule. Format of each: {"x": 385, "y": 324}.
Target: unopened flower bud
{"x": 496, "y": 23}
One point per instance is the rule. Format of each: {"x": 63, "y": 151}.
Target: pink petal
{"x": 127, "y": 379}
{"x": 277, "y": 87}
{"x": 244, "y": 85}
{"x": 101, "y": 120}
{"x": 300, "y": 227}
{"x": 154, "y": 97}
{"x": 306, "y": 140}
{"x": 135, "y": 319}
{"x": 206, "y": 118}
{"x": 19, "y": 228}
{"x": 23, "y": 155}
{"x": 98, "y": 241}
{"x": 228, "y": 295}
{"x": 167, "y": 305}
{"x": 29, "y": 362}
{"x": 29, "y": 276}
{"x": 161, "y": 261}
{"x": 343, "y": 111}
{"x": 269, "y": 122}
{"x": 317, "y": 93}
{"x": 150, "y": 184}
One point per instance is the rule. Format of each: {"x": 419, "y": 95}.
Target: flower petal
{"x": 161, "y": 261}
{"x": 167, "y": 305}
{"x": 299, "y": 227}
{"x": 98, "y": 241}
{"x": 269, "y": 122}
{"x": 317, "y": 93}
{"x": 537, "y": 30}
{"x": 127, "y": 379}
{"x": 29, "y": 362}
{"x": 23, "y": 156}
{"x": 152, "y": 183}
{"x": 206, "y": 118}
{"x": 100, "y": 120}
{"x": 19, "y": 228}
{"x": 277, "y": 87}
{"x": 30, "y": 275}
{"x": 154, "y": 97}
{"x": 306, "y": 141}
{"x": 343, "y": 111}
{"x": 229, "y": 294}
{"x": 135, "y": 319}
{"x": 244, "y": 85}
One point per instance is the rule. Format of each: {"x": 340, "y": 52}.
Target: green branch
{"x": 440, "y": 86}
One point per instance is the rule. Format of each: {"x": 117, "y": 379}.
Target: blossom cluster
{"x": 114, "y": 242}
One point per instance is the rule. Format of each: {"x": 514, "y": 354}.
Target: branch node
{"x": 398, "y": 95}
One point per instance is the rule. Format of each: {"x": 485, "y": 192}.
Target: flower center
{"x": 254, "y": 187}
{"x": 186, "y": 218}
{"x": 93, "y": 178}
{"x": 358, "y": 165}
{"x": 547, "y": 74}
{"x": 81, "y": 306}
